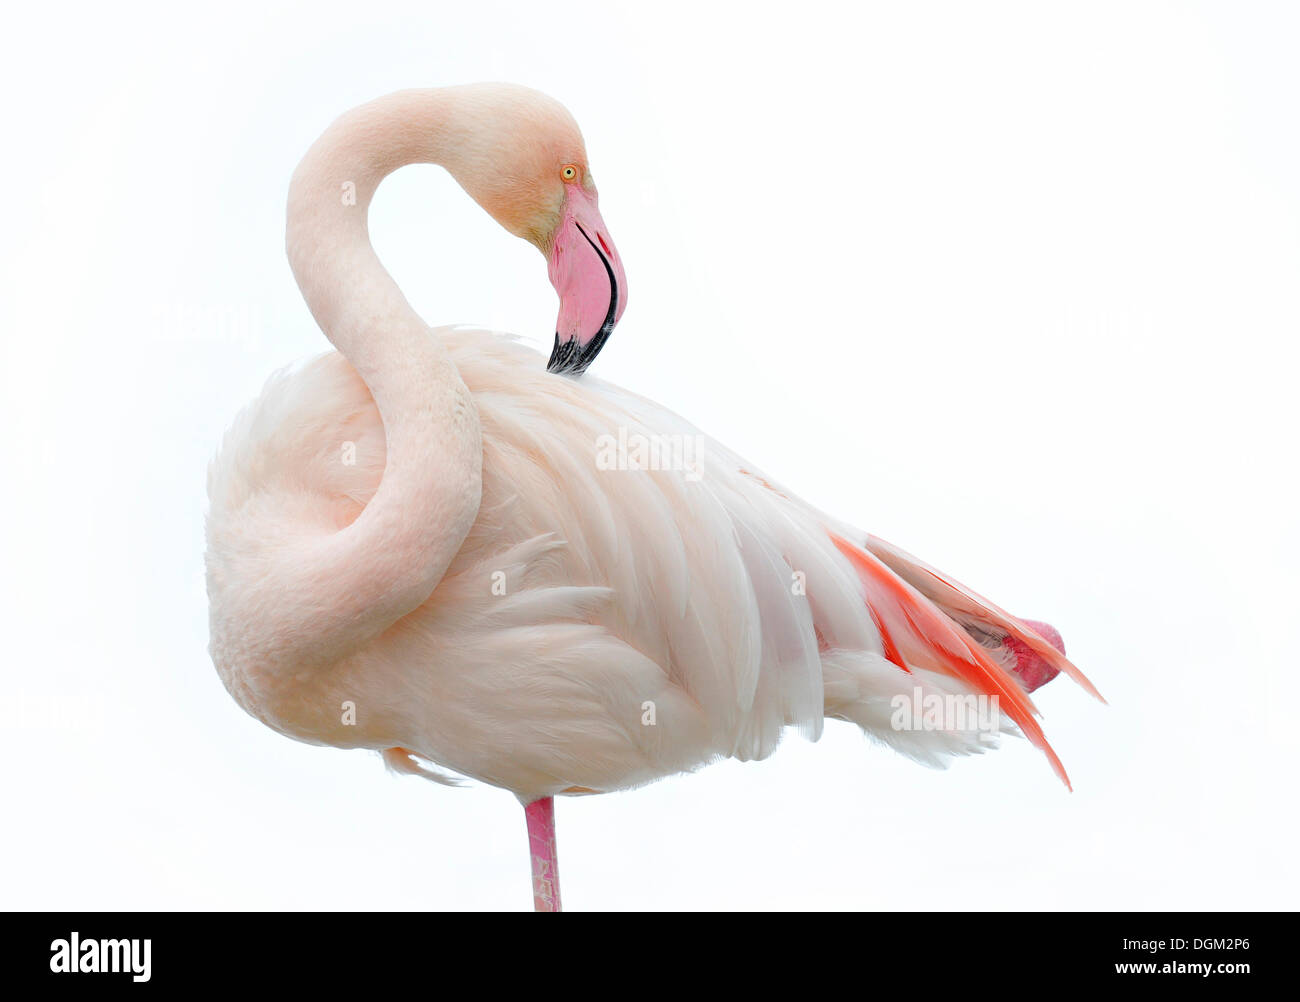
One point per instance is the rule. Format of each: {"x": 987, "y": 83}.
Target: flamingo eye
{"x": 569, "y": 172}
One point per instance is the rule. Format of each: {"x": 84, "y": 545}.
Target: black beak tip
{"x": 569, "y": 358}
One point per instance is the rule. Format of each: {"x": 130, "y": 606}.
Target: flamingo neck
{"x": 364, "y": 577}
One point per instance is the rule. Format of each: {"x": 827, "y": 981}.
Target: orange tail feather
{"x": 924, "y": 636}
{"x": 938, "y": 587}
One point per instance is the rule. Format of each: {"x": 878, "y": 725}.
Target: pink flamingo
{"x": 428, "y": 544}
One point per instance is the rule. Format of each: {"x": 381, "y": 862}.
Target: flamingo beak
{"x": 588, "y": 274}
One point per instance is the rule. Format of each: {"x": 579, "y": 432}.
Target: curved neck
{"x": 365, "y": 577}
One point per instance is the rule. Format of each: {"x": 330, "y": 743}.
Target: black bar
{"x": 343, "y": 952}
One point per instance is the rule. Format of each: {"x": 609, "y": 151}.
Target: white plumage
{"x": 579, "y": 595}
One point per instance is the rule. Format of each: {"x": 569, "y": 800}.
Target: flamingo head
{"x": 520, "y": 156}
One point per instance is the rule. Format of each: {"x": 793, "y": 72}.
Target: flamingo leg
{"x": 540, "y": 815}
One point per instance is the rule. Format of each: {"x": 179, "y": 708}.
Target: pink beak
{"x": 588, "y": 274}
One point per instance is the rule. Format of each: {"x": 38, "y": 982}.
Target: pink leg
{"x": 541, "y": 846}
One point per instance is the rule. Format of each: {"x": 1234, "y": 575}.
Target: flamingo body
{"x": 579, "y": 596}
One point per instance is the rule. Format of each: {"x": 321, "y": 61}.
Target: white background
{"x": 1014, "y": 286}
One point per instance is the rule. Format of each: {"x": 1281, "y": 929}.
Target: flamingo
{"x": 429, "y": 544}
